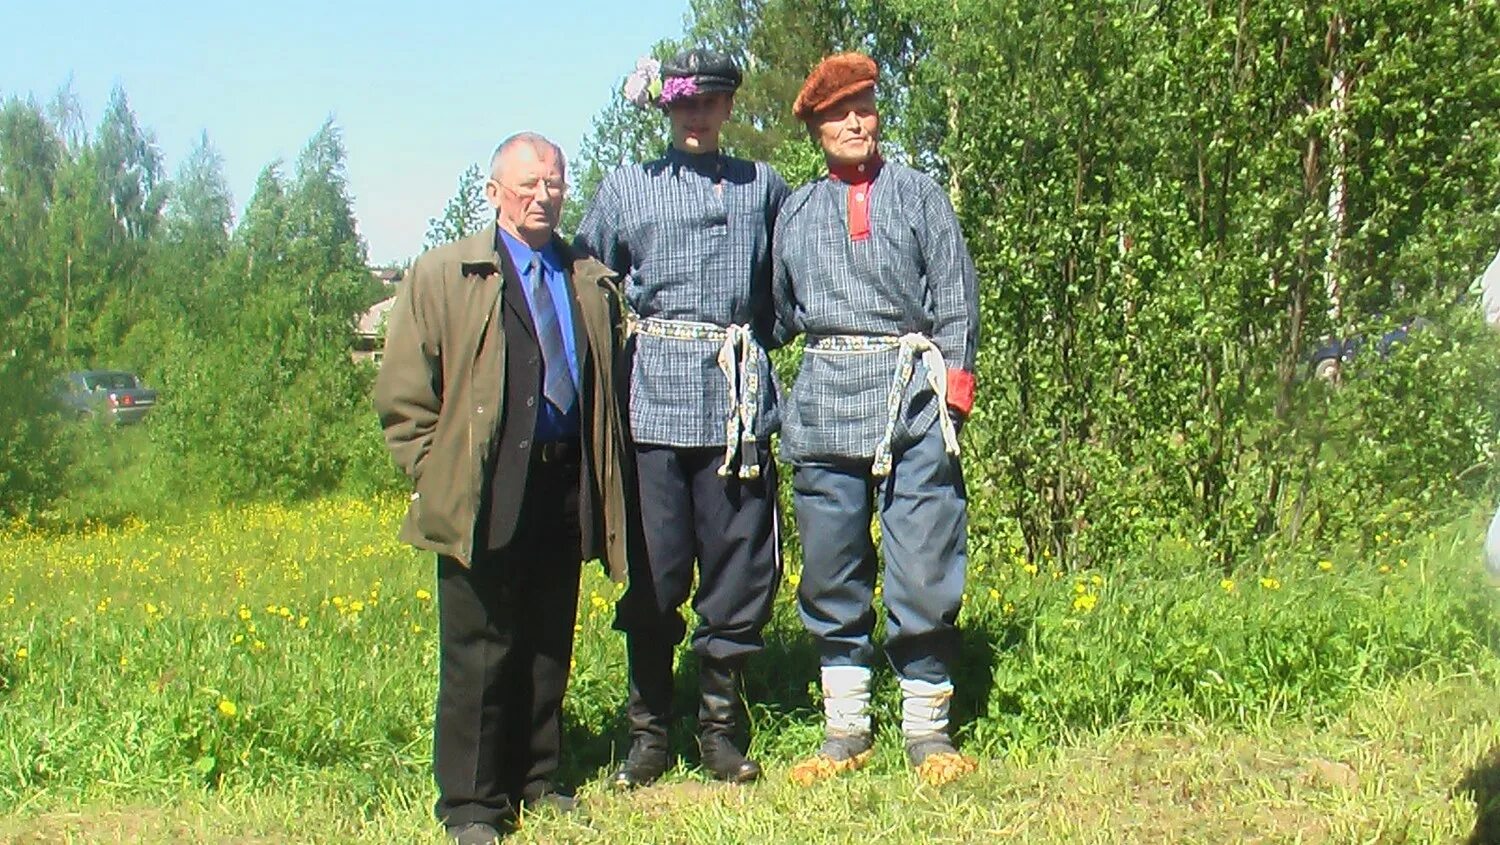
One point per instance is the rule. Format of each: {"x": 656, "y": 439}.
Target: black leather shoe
{"x": 648, "y": 760}
{"x": 550, "y": 801}
{"x": 473, "y": 833}
{"x": 718, "y": 721}
{"x": 649, "y": 711}
{"x": 724, "y": 761}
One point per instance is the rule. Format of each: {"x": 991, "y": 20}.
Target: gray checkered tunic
{"x": 912, "y": 275}
{"x": 689, "y": 253}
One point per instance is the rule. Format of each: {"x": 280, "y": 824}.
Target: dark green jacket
{"x": 441, "y": 388}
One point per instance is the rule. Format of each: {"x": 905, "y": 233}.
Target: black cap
{"x": 710, "y": 70}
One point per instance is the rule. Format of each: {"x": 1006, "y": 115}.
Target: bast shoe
{"x": 840, "y": 753}
{"x": 936, "y": 761}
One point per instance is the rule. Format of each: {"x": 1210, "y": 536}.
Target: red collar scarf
{"x": 859, "y": 178}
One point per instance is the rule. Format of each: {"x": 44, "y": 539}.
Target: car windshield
{"x": 109, "y": 381}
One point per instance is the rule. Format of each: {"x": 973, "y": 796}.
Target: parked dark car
{"x": 1327, "y": 361}
{"x": 114, "y": 392}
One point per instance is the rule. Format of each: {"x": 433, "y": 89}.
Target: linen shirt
{"x": 913, "y": 274}
{"x": 552, "y": 423}
{"x": 687, "y": 250}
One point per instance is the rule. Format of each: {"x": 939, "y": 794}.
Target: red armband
{"x": 961, "y": 391}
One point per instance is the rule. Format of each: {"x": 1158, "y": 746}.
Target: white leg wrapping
{"x": 924, "y": 707}
{"x": 846, "y": 699}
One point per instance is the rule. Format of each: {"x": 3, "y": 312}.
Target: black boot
{"x": 718, "y": 718}
{"x": 649, "y": 711}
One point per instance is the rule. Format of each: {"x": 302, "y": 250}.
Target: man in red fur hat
{"x": 870, "y": 264}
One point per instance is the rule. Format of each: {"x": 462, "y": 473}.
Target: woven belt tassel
{"x": 909, "y": 347}
{"x": 741, "y": 374}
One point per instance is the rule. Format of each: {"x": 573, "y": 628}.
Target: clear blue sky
{"x": 421, "y": 89}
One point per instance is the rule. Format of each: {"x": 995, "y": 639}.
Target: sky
{"x": 421, "y": 90}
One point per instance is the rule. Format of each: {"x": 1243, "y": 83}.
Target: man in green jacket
{"x": 497, "y": 397}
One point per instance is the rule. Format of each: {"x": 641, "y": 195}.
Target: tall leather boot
{"x": 718, "y": 719}
{"x": 649, "y": 711}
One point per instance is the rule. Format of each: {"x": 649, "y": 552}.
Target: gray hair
{"x": 538, "y": 142}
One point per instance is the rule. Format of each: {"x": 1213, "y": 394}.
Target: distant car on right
{"x": 1327, "y": 361}
{"x": 115, "y": 392}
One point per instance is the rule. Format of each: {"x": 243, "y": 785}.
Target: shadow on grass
{"x": 1482, "y": 783}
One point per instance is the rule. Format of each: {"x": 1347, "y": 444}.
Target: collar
{"x": 521, "y": 252}
{"x": 858, "y": 174}
{"x": 709, "y": 164}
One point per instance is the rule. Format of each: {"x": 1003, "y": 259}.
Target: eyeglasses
{"x": 538, "y": 188}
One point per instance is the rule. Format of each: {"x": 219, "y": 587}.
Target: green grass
{"x": 266, "y": 674}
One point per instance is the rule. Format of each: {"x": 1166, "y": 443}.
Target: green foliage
{"x": 467, "y": 211}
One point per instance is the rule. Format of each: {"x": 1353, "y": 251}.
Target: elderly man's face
{"x": 526, "y": 190}
{"x": 849, "y": 130}
{"x": 697, "y": 121}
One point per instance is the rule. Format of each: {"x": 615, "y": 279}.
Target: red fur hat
{"x": 836, "y": 77}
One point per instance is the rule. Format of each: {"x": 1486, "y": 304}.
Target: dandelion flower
{"x": 22, "y": 653}
{"x": 1085, "y": 602}
{"x": 1270, "y": 583}
{"x": 1325, "y": 565}
{"x": 423, "y": 595}
{"x": 227, "y": 709}
{"x": 1226, "y": 584}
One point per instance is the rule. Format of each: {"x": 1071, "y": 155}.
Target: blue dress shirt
{"x": 552, "y": 423}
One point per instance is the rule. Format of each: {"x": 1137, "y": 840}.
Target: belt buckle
{"x": 555, "y": 451}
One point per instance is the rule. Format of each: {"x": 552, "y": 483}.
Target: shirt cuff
{"x": 961, "y": 391}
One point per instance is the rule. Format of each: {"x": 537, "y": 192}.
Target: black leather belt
{"x": 557, "y": 452}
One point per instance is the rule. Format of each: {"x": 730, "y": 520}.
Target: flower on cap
{"x": 677, "y": 88}
{"x": 643, "y": 85}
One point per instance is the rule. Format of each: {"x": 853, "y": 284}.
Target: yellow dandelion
{"x": 1096, "y": 579}
{"x": 1008, "y": 608}
{"x": 1080, "y": 588}
{"x": 416, "y": 629}
{"x": 1325, "y": 565}
{"x": 152, "y": 610}
{"x": 227, "y": 709}
{"x": 124, "y": 661}
{"x": 237, "y": 639}
{"x": 994, "y": 594}
{"x": 1226, "y": 584}
{"x": 423, "y": 595}
{"x": 1385, "y": 569}
{"x": 338, "y": 601}
{"x": 1029, "y": 568}
{"x": 302, "y": 623}
{"x": 1085, "y": 602}
{"x": 1270, "y": 583}
{"x": 356, "y": 606}
{"x": 244, "y": 614}
{"x": 22, "y": 653}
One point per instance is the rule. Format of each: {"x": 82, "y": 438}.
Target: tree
{"x": 467, "y": 211}
{"x": 31, "y": 453}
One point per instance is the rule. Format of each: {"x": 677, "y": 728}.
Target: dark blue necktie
{"x": 557, "y": 379}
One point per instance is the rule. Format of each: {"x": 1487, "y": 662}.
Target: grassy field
{"x": 266, "y": 675}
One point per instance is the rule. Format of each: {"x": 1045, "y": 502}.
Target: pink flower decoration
{"x": 678, "y": 87}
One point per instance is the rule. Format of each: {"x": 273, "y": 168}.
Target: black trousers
{"x": 729, "y": 526}
{"x": 506, "y": 642}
